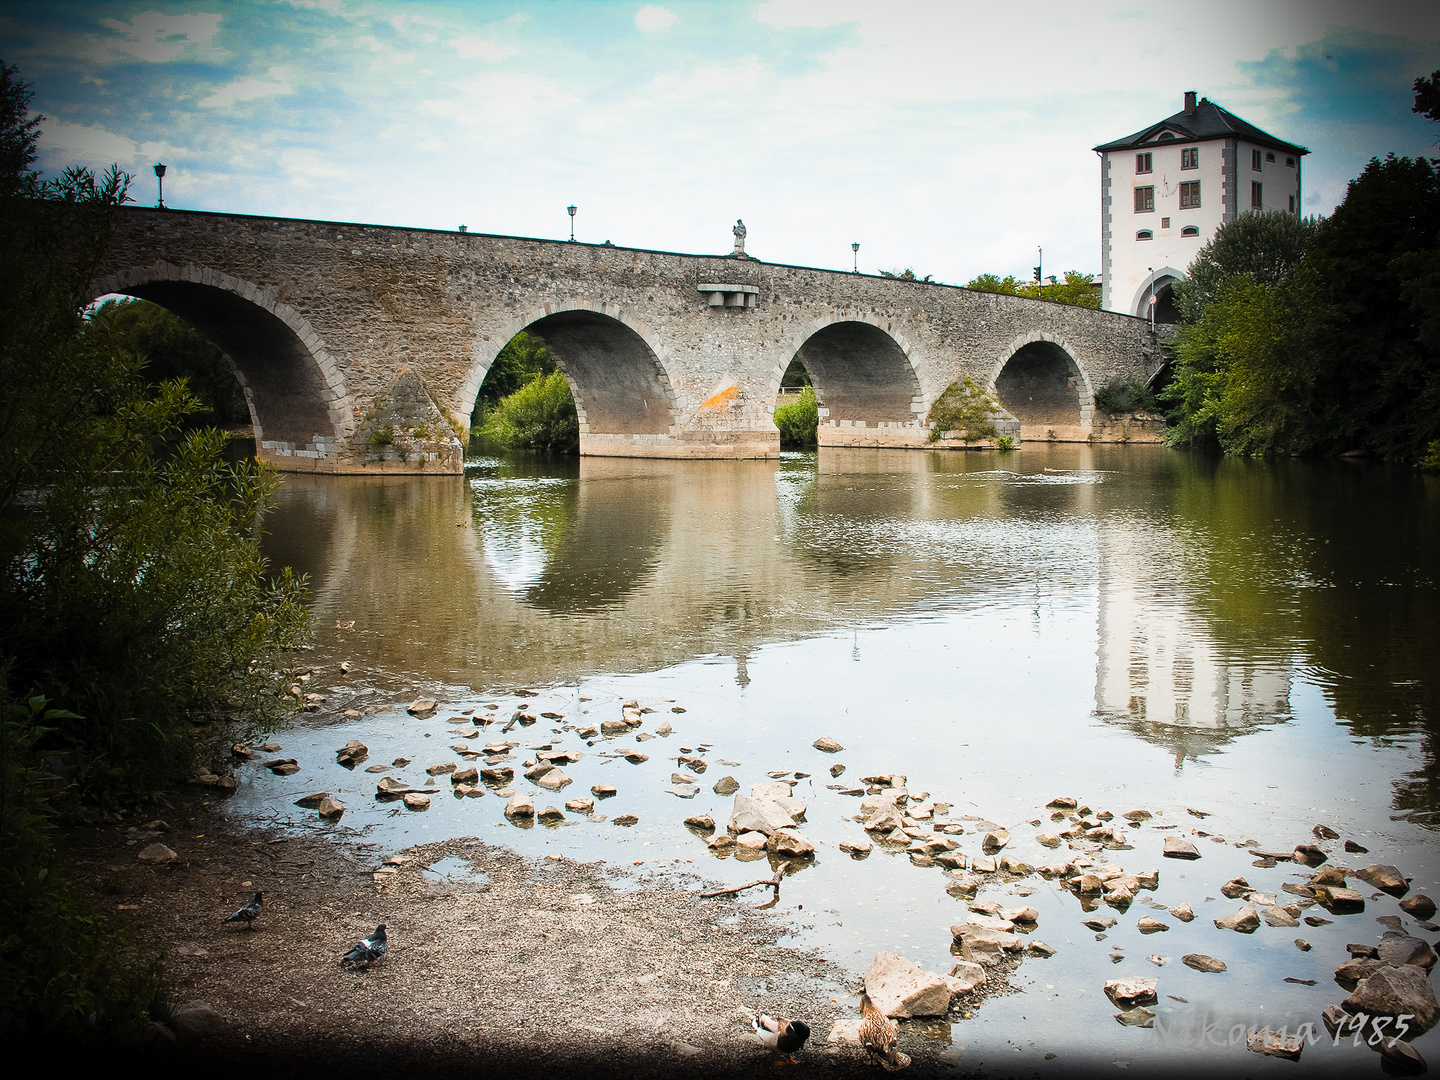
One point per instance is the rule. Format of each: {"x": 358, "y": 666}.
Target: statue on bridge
{"x": 739, "y": 232}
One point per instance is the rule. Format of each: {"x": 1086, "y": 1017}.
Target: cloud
{"x": 654, "y": 17}
{"x": 477, "y": 48}
{"x": 248, "y": 90}
{"x": 159, "y": 38}
{"x": 88, "y": 144}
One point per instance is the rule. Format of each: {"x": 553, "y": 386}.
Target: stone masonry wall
{"x": 369, "y": 305}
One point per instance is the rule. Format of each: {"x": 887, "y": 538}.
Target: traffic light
{"x": 1037, "y": 273}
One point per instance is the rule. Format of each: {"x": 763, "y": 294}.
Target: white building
{"x": 1165, "y": 190}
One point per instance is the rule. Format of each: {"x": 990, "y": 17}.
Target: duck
{"x": 878, "y": 1035}
{"x": 785, "y": 1037}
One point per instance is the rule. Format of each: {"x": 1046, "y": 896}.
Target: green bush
{"x": 963, "y": 408}
{"x": 799, "y": 420}
{"x": 539, "y": 416}
{"x": 1121, "y": 396}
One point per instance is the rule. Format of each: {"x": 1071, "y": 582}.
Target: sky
{"x": 952, "y": 138}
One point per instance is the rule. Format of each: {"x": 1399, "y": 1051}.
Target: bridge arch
{"x": 864, "y": 372}
{"x": 1162, "y": 281}
{"x": 1040, "y": 381}
{"x": 298, "y": 398}
{"x": 618, "y": 379}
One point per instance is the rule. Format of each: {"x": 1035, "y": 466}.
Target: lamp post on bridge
{"x": 571, "y": 211}
{"x": 855, "y": 251}
{"x": 160, "y": 179}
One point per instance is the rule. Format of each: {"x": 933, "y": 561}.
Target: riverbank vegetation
{"x": 137, "y": 616}
{"x": 525, "y": 402}
{"x": 1319, "y": 336}
{"x": 799, "y": 419}
{"x": 965, "y": 409}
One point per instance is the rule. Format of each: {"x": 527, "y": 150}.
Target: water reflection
{"x": 1215, "y": 589}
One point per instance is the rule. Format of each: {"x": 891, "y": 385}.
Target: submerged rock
{"x": 1275, "y": 1044}
{"x": 521, "y": 806}
{"x": 626, "y": 819}
{"x": 1419, "y": 907}
{"x": 581, "y": 805}
{"x": 827, "y": 745}
{"x": 416, "y": 801}
{"x": 790, "y": 844}
{"x": 1201, "y": 962}
{"x": 702, "y": 822}
{"x": 1183, "y": 912}
{"x": 726, "y": 785}
{"x": 1244, "y": 921}
{"x": 158, "y": 853}
{"x": 1385, "y": 878}
{"x": 1396, "y": 991}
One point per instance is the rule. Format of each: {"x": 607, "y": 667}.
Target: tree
{"x": 19, "y": 134}
{"x": 964, "y": 408}
{"x": 1427, "y": 96}
{"x": 1263, "y": 246}
{"x": 1078, "y": 288}
{"x": 541, "y": 415}
{"x": 521, "y": 360}
{"x": 992, "y": 283}
{"x": 173, "y": 349}
{"x": 799, "y": 420}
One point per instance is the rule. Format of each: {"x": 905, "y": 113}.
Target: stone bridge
{"x": 362, "y": 348}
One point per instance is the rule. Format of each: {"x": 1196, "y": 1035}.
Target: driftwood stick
{"x": 771, "y": 882}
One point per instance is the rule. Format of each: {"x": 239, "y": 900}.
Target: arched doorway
{"x": 863, "y": 381}
{"x": 1043, "y": 387}
{"x": 1160, "y": 284}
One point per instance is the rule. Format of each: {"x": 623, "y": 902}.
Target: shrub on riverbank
{"x": 963, "y": 408}
{"x": 539, "y": 416}
{"x": 799, "y": 420}
{"x": 132, "y": 595}
{"x": 1120, "y": 397}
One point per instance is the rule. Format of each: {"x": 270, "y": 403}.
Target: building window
{"x": 1270, "y": 158}
{"x": 1164, "y": 223}
{"x": 1189, "y": 230}
{"x": 1292, "y": 204}
{"x": 1257, "y": 201}
{"x": 1190, "y": 157}
{"x": 1144, "y": 234}
{"x": 1190, "y": 195}
{"x": 1255, "y": 160}
{"x": 1144, "y": 200}
{"x": 1143, "y": 163}
{"x": 1290, "y": 163}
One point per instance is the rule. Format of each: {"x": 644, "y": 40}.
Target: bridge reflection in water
{"x": 1211, "y": 590}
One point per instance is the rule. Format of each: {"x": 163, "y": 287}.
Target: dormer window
{"x": 1143, "y": 164}
{"x": 1290, "y": 163}
{"x": 1189, "y": 230}
{"x": 1190, "y": 157}
{"x": 1144, "y": 234}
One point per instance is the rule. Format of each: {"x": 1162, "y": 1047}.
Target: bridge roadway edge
{"x": 362, "y": 347}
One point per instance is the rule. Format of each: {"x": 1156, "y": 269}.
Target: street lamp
{"x": 160, "y": 179}
{"x": 571, "y": 211}
{"x": 855, "y": 249}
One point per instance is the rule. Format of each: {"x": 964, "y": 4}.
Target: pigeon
{"x": 250, "y": 912}
{"x": 784, "y": 1037}
{"x": 368, "y": 951}
{"x": 878, "y": 1034}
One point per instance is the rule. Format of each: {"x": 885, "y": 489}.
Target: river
{"x": 1133, "y": 627}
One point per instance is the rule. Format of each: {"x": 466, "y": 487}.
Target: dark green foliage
{"x": 19, "y": 133}
{"x": 963, "y": 408}
{"x": 1261, "y": 246}
{"x": 539, "y": 416}
{"x": 795, "y": 376}
{"x": 173, "y": 349}
{"x": 522, "y": 359}
{"x": 1427, "y": 96}
{"x": 1120, "y": 397}
{"x": 1325, "y": 340}
{"x": 133, "y": 592}
{"x": 799, "y": 419}
{"x": 61, "y": 962}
